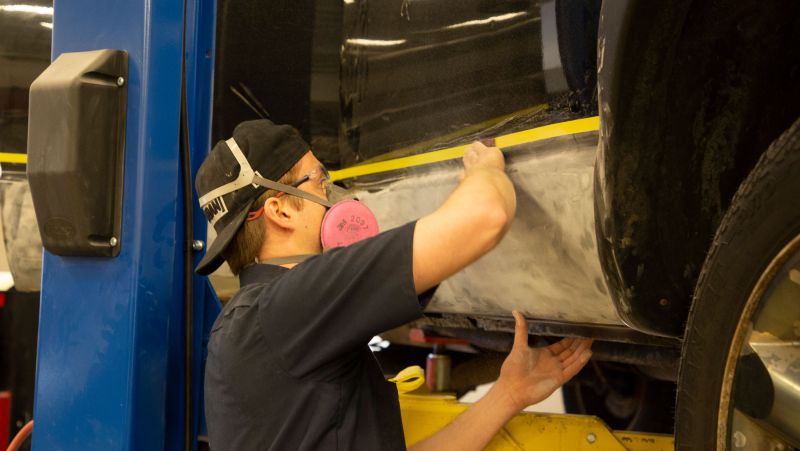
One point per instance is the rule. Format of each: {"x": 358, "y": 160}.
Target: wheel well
{"x": 691, "y": 94}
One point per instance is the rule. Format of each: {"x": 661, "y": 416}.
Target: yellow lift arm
{"x": 424, "y": 415}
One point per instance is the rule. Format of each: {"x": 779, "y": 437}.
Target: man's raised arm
{"x": 470, "y": 222}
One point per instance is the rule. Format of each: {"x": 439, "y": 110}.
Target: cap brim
{"x": 213, "y": 258}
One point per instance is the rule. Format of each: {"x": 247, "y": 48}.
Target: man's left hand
{"x": 530, "y": 375}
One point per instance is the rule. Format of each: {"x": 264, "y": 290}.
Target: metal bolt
{"x": 113, "y": 241}
{"x": 663, "y": 302}
{"x": 591, "y": 438}
{"x": 198, "y": 245}
{"x": 794, "y": 276}
{"x": 120, "y": 81}
{"x": 739, "y": 439}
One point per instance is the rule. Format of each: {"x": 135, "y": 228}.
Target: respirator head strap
{"x": 261, "y": 181}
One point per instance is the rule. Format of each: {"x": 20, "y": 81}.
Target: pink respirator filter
{"x": 347, "y": 222}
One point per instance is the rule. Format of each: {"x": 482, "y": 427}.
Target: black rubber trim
{"x": 188, "y": 318}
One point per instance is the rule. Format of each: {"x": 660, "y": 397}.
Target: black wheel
{"x": 740, "y": 365}
{"x": 621, "y": 396}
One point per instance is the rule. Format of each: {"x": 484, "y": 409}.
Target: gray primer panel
{"x": 547, "y": 265}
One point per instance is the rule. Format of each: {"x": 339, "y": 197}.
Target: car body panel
{"x": 547, "y": 265}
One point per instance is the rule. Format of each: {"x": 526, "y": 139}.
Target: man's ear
{"x": 279, "y": 213}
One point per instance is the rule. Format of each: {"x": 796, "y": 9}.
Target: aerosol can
{"x": 437, "y": 370}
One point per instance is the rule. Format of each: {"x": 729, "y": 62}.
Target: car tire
{"x": 764, "y": 217}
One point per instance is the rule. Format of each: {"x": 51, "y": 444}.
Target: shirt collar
{"x": 260, "y": 273}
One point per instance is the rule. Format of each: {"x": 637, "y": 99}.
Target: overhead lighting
{"x": 375, "y": 42}
{"x": 32, "y": 9}
{"x": 46, "y": 24}
{"x": 488, "y": 20}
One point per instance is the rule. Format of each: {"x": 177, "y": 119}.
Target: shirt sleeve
{"x": 331, "y": 305}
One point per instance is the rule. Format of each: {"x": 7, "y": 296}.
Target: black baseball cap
{"x": 224, "y": 182}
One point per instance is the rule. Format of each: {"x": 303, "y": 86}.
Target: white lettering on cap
{"x": 215, "y": 210}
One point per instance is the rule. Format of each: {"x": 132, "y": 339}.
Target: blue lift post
{"x": 110, "y": 369}
{"x": 111, "y": 337}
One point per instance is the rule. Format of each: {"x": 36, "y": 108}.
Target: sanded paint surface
{"x": 547, "y": 266}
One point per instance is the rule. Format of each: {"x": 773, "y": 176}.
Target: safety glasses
{"x": 319, "y": 175}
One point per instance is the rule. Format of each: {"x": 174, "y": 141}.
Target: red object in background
{"x": 2, "y": 299}
{"x": 5, "y": 417}
{"x": 419, "y": 336}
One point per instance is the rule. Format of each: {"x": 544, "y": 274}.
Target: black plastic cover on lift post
{"x": 76, "y": 141}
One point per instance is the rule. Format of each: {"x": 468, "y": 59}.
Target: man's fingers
{"x": 520, "y": 331}
{"x": 583, "y": 345}
{"x": 478, "y": 146}
{"x": 574, "y": 367}
{"x": 572, "y": 357}
{"x": 471, "y": 154}
{"x": 560, "y": 346}
{"x": 568, "y": 347}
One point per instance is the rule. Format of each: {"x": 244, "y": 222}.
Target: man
{"x": 288, "y": 365}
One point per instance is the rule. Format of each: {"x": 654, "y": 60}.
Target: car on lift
{"x": 654, "y": 149}
{"x": 626, "y": 233}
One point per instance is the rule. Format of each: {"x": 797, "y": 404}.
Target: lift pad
{"x": 424, "y": 415}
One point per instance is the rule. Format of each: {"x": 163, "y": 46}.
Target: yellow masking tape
{"x": 588, "y": 124}
{"x": 13, "y": 158}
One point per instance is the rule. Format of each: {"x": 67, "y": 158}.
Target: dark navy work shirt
{"x": 288, "y": 363}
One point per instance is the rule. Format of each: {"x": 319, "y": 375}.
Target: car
{"x": 616, "y": 221}
{"x": 654, "y": 150}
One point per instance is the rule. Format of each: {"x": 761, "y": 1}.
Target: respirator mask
{"x": 346, "y": 220}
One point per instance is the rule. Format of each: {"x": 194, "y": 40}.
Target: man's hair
{"x": 246, "y": 244}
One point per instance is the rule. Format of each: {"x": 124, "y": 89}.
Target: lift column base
{"x": 424, "y": 415}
